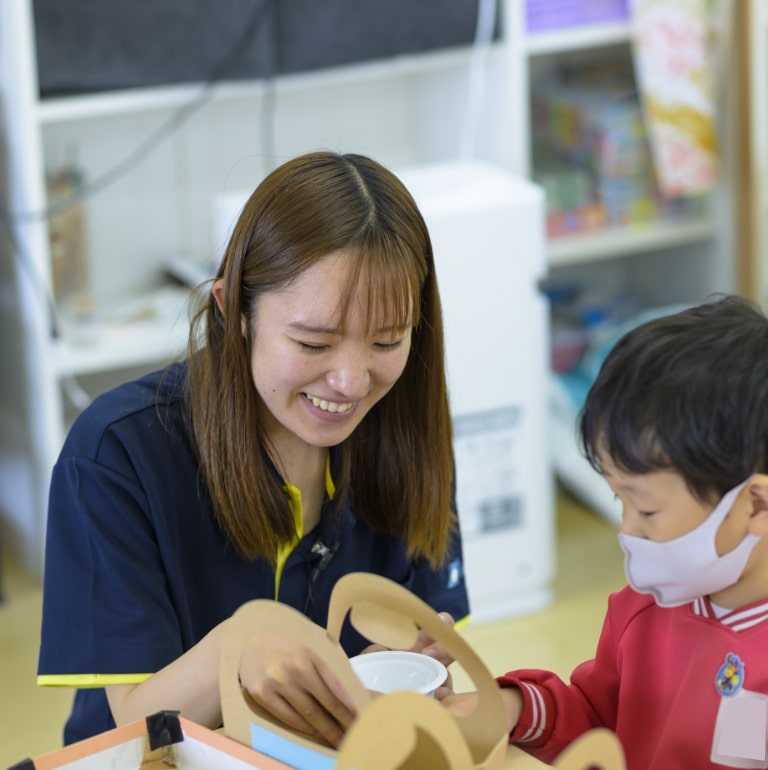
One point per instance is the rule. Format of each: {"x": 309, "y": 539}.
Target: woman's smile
{"x": 329, "y": 406}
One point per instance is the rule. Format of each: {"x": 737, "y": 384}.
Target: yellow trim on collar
{"x": 297, "y": 509}
{"x": 330, "y": 487}
{"x": 285, "y": 549}
{"x": 89, "y": 680}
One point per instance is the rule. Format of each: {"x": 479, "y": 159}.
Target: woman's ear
{"x": 758, "y": 496}
{"x": 218, "y": 294}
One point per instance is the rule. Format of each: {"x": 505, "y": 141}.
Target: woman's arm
{"x": 189, "y": 685}
{"x": 283, "y": 675}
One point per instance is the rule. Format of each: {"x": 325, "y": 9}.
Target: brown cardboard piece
{"x": 401, "y": 730}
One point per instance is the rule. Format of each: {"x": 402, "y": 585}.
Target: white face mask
{"x": 681, "y": 570}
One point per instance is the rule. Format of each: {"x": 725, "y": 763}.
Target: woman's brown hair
{"x": 397, "y": 466}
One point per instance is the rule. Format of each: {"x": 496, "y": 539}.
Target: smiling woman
{"x": 286, "y": 451}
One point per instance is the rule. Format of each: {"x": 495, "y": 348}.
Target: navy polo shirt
{"x": 138, "y": 570}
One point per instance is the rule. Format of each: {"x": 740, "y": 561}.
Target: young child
{"x": 677, "y": 423}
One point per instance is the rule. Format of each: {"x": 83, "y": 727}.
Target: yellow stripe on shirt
{"x": 89, "y": 680}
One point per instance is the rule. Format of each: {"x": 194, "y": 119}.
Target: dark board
{"x": 95, "y": 45}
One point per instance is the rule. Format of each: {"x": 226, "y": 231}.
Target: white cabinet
{"x": 154, "y": 161}
{"x": 493, "y": 220}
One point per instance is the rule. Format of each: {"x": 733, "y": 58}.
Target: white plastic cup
{"x": 391, "y": 670}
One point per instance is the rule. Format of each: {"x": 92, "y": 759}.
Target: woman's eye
{"x": 310, "y": 347}
{"x": 389, "y": 345}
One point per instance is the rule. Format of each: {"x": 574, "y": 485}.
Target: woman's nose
{"x": 350, "y": 375}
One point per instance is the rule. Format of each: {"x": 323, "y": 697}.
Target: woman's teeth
{"x": 329, "y": 406}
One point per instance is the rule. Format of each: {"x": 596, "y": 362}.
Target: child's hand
{"x": 458, "y": 704}
{"x": 464, "y": 703}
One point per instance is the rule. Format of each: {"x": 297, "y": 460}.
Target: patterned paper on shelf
{"x": 674, "y": 67}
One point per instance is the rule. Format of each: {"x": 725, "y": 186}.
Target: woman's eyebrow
{"x": 313, "y": 328}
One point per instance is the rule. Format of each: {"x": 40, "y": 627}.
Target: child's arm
{"x": 544, "y": 713}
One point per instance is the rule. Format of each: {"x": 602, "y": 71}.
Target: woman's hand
{"x": 287, "y": 679}
{"x": 426, "y": 645}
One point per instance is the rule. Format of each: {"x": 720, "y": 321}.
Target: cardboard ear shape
{"x": 598, "y": 748}
{"x": 385, "y": 613}
{"x": 404, "y": 730}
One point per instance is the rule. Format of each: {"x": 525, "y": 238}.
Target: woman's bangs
{"x": 392, "y": 285}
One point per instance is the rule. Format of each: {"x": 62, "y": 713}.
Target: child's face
{"x": 659, "y": 506}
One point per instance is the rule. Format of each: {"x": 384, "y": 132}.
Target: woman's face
{"x": 316, "y": 382}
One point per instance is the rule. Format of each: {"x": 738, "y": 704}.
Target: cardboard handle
{"x": 388, "y": 614}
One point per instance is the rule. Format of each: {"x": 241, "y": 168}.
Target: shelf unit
{"x": 617, "y": 243}
{"x": 403, "y": 111}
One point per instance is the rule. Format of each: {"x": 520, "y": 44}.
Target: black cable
{"x": 158, "y": 136}
{"x": 9, "y": 219}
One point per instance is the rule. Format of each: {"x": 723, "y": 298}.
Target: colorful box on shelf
{"x": 553, "y": 15}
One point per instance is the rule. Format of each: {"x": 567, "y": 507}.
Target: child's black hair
{"x": 687, "y": 393}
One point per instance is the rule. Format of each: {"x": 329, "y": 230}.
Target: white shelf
{"x": 163, "y": 97}
{"x": 577, "y": 38}
{"x": 134, "y": 333}
{"x": 586, "y": 247}
{"x": 108, "y": 347}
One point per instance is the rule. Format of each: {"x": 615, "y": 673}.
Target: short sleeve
{"x": 106, "y": 605}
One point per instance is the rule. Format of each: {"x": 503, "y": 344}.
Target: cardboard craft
{"x": 399, "y": 731}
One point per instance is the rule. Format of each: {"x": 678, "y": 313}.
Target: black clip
{"x": 164, "y": 729}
